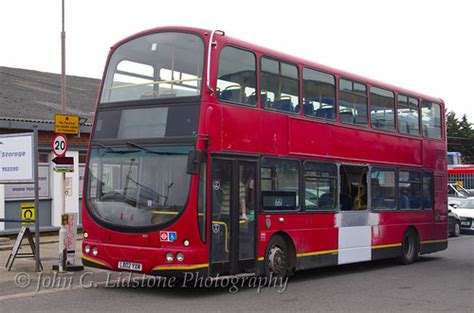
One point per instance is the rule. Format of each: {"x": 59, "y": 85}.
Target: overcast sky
{"x": 425, "y": 46}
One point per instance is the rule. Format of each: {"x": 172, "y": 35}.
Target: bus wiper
{"x": 151, "y": 151}
{"x": 168, "y": 193}
{"x": 110, "y": 150}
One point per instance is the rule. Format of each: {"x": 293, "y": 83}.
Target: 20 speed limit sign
{"x": 59, "y": 145}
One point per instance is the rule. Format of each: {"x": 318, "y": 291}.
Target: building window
{"x": 382, "y": 109}
{"x": 279, "y": 184}
{"x": 383, "y": 189}
{"x": 431, "y": 119}
{"x": 352, "y": 102}
{"x": 319, "y": 94}
{"x": 279, "y": 85}
{"x": 408, "y": 121}
{"x": 237, "y": 76}
{"x": 82, "y": 157}
{"x": 409, "y": 190}
{"x": 320, "y": 186}
{"x": 43, "y": 157}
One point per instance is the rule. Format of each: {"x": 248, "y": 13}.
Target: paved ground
{"x": 441, "y": 282}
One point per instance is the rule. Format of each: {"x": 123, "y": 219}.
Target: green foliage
{"x": 460, "y": 136}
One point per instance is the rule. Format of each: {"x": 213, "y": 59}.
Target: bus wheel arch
{"x": 410, "y": 245}
{"x": 280, "y": 243}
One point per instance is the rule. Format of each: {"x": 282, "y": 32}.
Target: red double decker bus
{"x": 213, "y": 155}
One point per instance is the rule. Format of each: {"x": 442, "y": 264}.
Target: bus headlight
{"x": 180, "y": 257}
{"x": 169, "y": 257}
{"x": 94, "y": 251}
{"x": 186, "y": 243}
{"x": 87, "y": 249}
{"x": 85, "y": 235}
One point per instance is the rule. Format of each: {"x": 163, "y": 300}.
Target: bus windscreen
{"x": 155, "y": 66}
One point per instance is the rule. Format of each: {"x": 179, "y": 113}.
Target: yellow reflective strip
{"x": 433, "y": 241}
{"x": 387, "y": 246}
{"x": 165, "y": 212}
{"x": 94, "y": 261}
{"x": 316, "y": 253}
{"x": 260, "y": 258}
{"x": 179, "y": 268}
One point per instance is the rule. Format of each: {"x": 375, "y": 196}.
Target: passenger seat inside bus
{"x": 346, "y": 117}
{"x": 308, "y": 109}
{"x": 327, "y": 113}
{"x": 326, "y": 201}
{"x": 283, "y": 105}
{"x": 252, "y": 99}
{"x": 232, "y": 95}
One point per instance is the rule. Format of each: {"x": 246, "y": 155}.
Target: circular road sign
{"x": 59, "y": 145}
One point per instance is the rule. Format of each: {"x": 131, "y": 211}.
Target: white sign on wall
{"x": 27, "y": 191}
{"x": 16, "y": 158}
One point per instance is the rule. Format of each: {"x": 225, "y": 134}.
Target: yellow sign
{"x": 27, "y": 213}
{"x": 66, "y": 124}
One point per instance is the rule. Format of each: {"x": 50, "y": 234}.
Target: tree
{"x": 460, "y": 136}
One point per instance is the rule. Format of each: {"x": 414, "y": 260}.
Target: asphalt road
{"x": 440, "y": 282}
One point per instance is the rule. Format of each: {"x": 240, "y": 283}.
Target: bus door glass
{"x": 355, "y": 233}
{"x": 233, "y": 216}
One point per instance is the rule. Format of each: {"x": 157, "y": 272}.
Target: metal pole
{"x": 36, "y": 187}
{"x": 63, "y": 64}
{"x": 62, "y": 231}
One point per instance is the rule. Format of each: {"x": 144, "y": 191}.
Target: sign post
{"x": 35, "y": 179}
{"x": 68, "y": 230}
{"x": 60, "y": 146}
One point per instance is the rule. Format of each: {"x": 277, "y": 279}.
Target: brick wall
{"x": 45, "y": 138}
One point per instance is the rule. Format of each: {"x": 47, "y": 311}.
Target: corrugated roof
{"x": 33, "y": 96}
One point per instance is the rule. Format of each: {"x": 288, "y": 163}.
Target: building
{"x": 31, "y": 98}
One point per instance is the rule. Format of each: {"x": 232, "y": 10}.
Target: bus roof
{"x": 286, "y": 57}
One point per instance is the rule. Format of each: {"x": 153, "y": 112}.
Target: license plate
{"x": 130, "y": 266}
{"x": 465, "y": 223}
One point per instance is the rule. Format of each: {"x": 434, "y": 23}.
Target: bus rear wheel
{"x": 276, "y": 258}
{"x": 410, "y": 247}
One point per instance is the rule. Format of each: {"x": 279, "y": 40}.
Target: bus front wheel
{"x": 276, "y": 258}
{"x": 410, "y": 247}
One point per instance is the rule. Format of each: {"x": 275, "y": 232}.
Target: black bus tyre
{"x": 410, "y": 247}
{"x": 276, "y": 258}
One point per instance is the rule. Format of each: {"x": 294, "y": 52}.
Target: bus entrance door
{"x": 355, "y": 231}
{"x": 233, "y": 217}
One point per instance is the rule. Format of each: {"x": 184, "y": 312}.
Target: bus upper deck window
{"x": 155, "y": 66}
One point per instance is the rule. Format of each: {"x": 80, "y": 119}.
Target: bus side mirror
{"x": 194, "y": 160}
